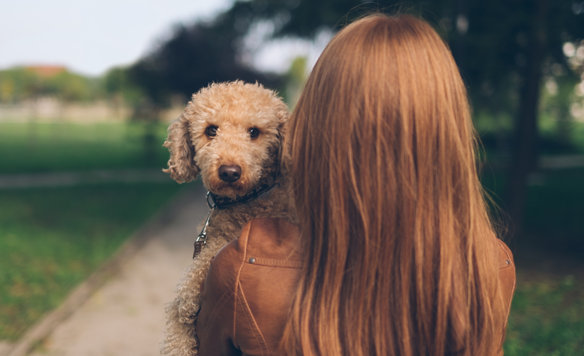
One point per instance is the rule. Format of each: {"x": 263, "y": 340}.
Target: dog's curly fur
{"x": 233, "y": 108}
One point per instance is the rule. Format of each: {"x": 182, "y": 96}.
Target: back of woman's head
{"x": 395, "y": 226}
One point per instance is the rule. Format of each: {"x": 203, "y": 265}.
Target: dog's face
{"x": 230, "y": 134}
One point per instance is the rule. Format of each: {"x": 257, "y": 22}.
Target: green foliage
{"x": 553, "y": 216}
{"x": 17, "y": 84}
{"x": 547, "y": 318}
{"x": 71, "y": 87}
{"x": 49, "y": 147}
{"x": 295, "y": 79}
{"x": 559, "y": 228}
{"x": 557, "y": 97}
{"x": 20, "y": 83}
{"x": 119, "y": 87}
{"x": 51, "y": 239}
{"x": 306, "y": 18}
{"x": 193, "y": 57}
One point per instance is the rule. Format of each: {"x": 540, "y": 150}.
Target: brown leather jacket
{"x": 249, "y": 289}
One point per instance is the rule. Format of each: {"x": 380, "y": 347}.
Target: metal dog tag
{"x": 199, "y": 243}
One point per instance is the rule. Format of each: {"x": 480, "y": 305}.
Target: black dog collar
{"x": 219, "y": 202}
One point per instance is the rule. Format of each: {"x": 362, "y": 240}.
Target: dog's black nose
{"x": 229, "y": 174}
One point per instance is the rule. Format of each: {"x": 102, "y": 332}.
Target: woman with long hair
{"x": 394, "y": 253}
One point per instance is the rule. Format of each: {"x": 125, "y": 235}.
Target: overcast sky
{"x": 90, "y": 36}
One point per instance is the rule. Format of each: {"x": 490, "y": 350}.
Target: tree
{"x": 14, "y": 83}
{"x": 504, "y": 54}
{"x": 193, "y": 57}
{"x": 120, "y": 90}
{"x": 70, "y": 87}
{"x": 21, "y": 83}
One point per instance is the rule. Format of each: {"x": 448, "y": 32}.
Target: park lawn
{"x": 51, "y": 239}
{"x": 547, "y": 316}
{"x": 50, "y": 147}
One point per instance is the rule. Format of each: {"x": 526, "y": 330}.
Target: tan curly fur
{"x": 233, "y": 108}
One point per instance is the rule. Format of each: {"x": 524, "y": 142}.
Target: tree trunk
{"x": 524, "y": 157}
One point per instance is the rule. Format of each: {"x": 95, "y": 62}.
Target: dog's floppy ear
{"x": 283, "y": 151}
{"x": 181, "y": 165}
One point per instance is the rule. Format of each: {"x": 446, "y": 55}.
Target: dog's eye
{"x": 211, "y": 131}
{"x": 254, "y": 132}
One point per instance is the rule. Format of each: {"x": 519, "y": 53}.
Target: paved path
{"x": 126, "y": 315}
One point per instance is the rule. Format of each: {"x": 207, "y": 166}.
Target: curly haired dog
{"x": 231, "y": 134}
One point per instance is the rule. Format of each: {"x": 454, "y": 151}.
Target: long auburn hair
{"x": 398, "y": 243}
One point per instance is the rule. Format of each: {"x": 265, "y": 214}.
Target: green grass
{"x": 547, "y": 318}
{"x": 52, "y": 239}
{"x": 48, "y": 147}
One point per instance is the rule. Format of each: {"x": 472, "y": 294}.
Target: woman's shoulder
{"x": 506, "y": 265}
{"x": 271, "y": 241}
{"x": 507, "y": 277}
{"x": 263, "y": 241}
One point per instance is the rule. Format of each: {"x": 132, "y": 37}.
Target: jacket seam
{"x": 258, "y": 335}
{"x": 273, "y": 262}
